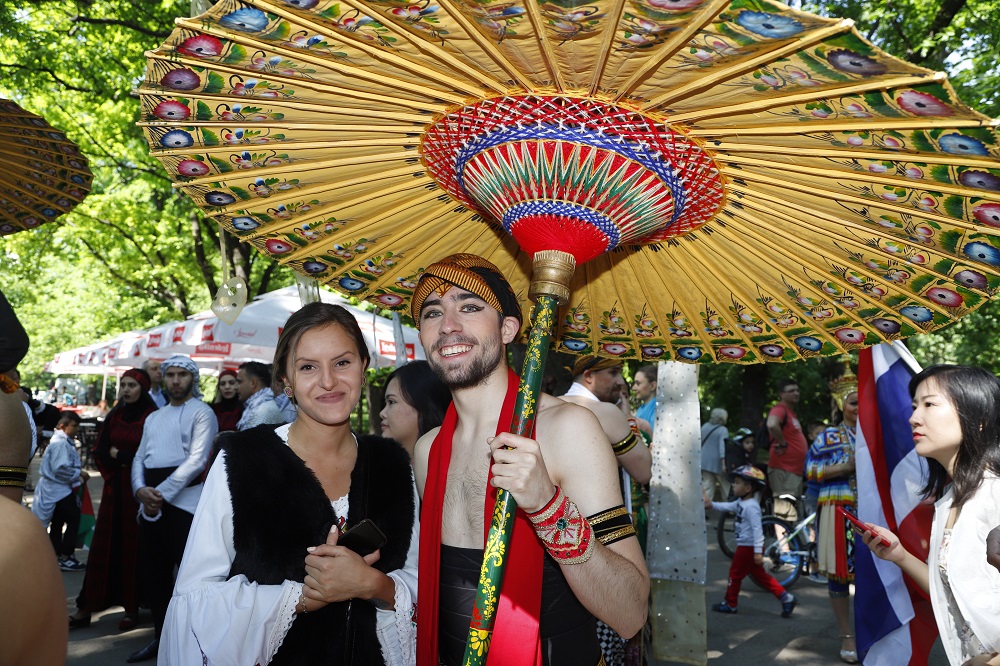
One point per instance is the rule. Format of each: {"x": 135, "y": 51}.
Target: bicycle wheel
{"x": 787, "y": 562}
{"x": 726, "y": 533}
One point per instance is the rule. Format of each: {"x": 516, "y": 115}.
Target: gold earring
{"x": 288, "y": 391}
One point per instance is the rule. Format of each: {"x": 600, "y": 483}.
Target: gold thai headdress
{"x": 843, "y": 386}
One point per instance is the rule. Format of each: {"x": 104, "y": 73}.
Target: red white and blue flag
{"x": 894, "y": 621}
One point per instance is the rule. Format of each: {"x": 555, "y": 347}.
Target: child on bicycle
{"x": 749, "y": 557}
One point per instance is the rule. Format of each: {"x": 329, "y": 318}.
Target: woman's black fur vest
{"x": 280, "y": 509}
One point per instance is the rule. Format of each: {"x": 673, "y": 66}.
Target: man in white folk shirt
{"x": 167, "y": 476}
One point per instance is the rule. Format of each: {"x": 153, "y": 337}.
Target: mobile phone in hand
{"x": 364, "y": 538}
{"x": 860, "y": 527}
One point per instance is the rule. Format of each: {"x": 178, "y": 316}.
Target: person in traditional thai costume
{"x": 263, "y": 580}
{"x": 227, "y": 405}
{"x": 573, "y": 556}
{"x": 831, "y": 465}
{"x": 112, "y": 568}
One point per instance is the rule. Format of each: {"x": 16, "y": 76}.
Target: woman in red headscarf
{"x": 111, "y": 578}
{"x": 227, "y": 405}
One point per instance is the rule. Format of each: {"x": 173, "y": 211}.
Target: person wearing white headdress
{"x": 167, "y": 476}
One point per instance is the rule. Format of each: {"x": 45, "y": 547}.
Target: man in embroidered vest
{"x": 167, "y": 475}
{"x": 573, "y": 554}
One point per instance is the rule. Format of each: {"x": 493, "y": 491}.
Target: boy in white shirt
{"x": 55, "y": 502}
{"x": 749, "y": 556}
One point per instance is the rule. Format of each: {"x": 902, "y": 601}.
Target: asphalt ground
{"x": 756, "y": 635}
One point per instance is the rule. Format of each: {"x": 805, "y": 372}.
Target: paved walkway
{"x": 757, "y": 635}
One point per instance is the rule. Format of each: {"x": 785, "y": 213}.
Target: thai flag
{"x": 894, "y": 621}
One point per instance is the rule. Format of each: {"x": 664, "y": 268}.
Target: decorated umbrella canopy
{"x": 42, "y": 173}
{"x": 737, "y": 181}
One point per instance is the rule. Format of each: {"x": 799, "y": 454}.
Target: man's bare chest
{"x": 464, "y": 497}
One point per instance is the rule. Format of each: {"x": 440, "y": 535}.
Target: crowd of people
{"x": 260, "y": 528}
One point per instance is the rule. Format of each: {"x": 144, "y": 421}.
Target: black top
{"x": 280, "y": 509}
{"x": 569, "y": 631}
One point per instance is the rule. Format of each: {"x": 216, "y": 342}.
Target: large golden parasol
{"x": 42, "y": 173}
{"x": 735, "y": 181}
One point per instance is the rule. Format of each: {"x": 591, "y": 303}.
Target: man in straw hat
{"x": 167, "y": 475}
{"x": 563, "y": 479}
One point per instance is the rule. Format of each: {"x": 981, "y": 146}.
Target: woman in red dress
{"x": 227, "y": 406}
{"x": 111, "y": 578}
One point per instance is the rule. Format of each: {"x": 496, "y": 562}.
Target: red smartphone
{"x": 859, "y": 526}
{"x": 363, "y": 538}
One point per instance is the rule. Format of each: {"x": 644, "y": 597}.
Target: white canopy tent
{"x": 215, "y": 345}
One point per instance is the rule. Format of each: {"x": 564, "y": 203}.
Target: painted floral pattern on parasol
{"x": 42, "y": 173}
{"x": 738, "y": 181}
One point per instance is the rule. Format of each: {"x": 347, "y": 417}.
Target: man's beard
{"x": 183, "y": 393}
{"x": 609, "y": 395}
{"x": 473, "y": 374}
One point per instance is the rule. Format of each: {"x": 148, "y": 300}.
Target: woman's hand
{"x": 983, "y": 660}
{"x": 872, "y": 538}
{"x": 335, "y": 573}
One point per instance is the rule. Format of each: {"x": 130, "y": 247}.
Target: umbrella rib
{"x": 305, "y": 145}
{"x": 692, "y": 266}
{"x": 606, "y": 43}
{"x": 487, "y": 45}
{"x": 315, "y": 85}
{"x": 847, "y": 241}
{"x": 862, "y": 176}
{"x": 17, "y": 155}
{"x": 16, "y": 161}
{"x": 807, "y": 287}
{"x": 871, "y": 124}
{"x": 831, "y": 153}
{"x": 854, "y": 267}
{"x": 544, "y": 45}
{"x": 841, "y": 197}
{"x": 321, "y": 212}
{"x": 751, "y": 197}
{"x": 440, "y": 239}
{"x": 34, "y": 196}
{"x": 358, "y": 180}
{"x": 399, "y": 60}
{"x": 670, "y": 47}
{"x": 370, "y": 223}
{"x": 299, "y": 167}
{"x": 723, "y": 73}
{"x": 340, "y": 67}
{"x": 804, "y": 96}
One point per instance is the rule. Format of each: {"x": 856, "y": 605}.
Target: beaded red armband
{"x": 566, "y": 534}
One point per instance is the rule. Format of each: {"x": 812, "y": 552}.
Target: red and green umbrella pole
{"x": 549, "y": 289}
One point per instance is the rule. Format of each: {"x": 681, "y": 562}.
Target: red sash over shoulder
{"x": 516, "y": 637}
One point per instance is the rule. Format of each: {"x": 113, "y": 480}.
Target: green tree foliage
{"x": 136, "y": 252}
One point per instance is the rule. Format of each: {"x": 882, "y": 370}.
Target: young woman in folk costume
{"x": 227, "y": 405}
{"x": 112, "y": 568}
{"x": 262, "y": 580}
